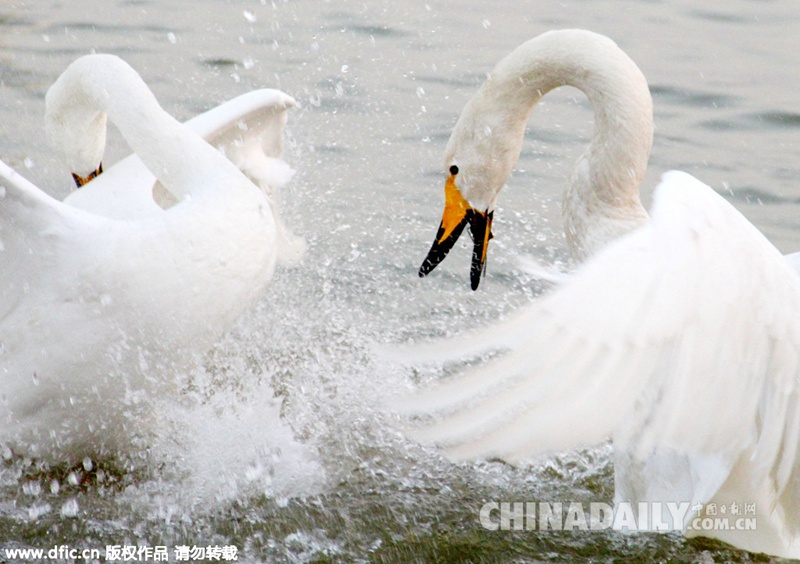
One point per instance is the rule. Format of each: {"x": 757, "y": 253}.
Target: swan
{"x": 99, "y": 314}
{"x": 679, "y": 337}
{"x": 601, "y": 201}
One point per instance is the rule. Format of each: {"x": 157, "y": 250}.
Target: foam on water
{"x": 229, "y": 448}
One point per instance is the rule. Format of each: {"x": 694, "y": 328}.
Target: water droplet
{"x": 105, "y": 300}
{"x": 345, "y": 68}
{"x": 248, "y": 63}
{"x": 2, "y": 191}
{"x": 420, "y": 91}
{"x": 32, "y": 488}
{"x": 171, "y": 38}
{"x": 73, "y": 479}
{"x": 35, "y": 379}
{"x": 28, "y": 162}
{"x": 486, "y": 24}
{"x": 36, "y": 511}
{"x": 250, "y": 16}
{"x": 87, "y": 464}
{"x": 253, "y": 472}
{"x": 55, "y": 487}
{"x": 70, "y": 508}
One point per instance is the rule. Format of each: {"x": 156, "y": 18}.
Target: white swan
{"x": 602, "y": 199}
{"x": 99, "y": 314}
{"x": 681, "y": 339}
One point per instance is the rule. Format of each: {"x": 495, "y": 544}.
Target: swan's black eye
{"x": 454, "y": 170}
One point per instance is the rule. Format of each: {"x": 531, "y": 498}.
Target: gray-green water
{"x": 325, "y": 475}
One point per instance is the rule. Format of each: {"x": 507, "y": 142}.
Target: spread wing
{"x": 34, "y": 230}
{"x": 687, "y": 329}
{"x": 48, "y": 277}
{"x": 249, "y": 130}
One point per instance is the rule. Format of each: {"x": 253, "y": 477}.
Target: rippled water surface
{"x": 292, "y": 456}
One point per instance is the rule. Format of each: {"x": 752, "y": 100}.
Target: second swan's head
{"x": 480, "y": 155}
{"x": 602, "y": 195}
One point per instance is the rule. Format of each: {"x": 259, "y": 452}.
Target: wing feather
{"x": 33, "y": 229}
{"x": 687, "y": 330}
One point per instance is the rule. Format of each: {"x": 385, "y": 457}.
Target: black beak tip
{"x": 480, "y": 228}
{"x": 476, "y": 271}
{"x": 441, "y": 247}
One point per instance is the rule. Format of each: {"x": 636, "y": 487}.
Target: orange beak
{"x": 83, "y": 180}
{"x": 457, "y": 213}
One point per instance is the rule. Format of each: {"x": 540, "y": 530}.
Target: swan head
{"x": 458, "y": 213}
{"x": 80, "y": 143}
{"x": 481, "y": 153}
{"x": 74, "y": 125}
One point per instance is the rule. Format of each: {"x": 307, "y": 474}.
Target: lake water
{"x": 294, "y": 457}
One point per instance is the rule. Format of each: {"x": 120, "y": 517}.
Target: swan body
{"x": 679, "y": 338}
{"x": 602, "y": 198}
{"x": 99, "y": 315}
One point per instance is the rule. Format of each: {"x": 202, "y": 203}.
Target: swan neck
{"x": 615, "y": 87}
{"x": 97, "y": 86}
{"x": 492, "y": 126}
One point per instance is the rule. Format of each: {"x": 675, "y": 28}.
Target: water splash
{"x": 229, "y": 448}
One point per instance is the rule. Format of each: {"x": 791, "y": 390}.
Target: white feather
{"x": 681, "y": 340}
{"x": 99, "y": 312}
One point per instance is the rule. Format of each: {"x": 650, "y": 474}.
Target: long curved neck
{"x": 606, "y": 181}
{"x": 99, "y": 85}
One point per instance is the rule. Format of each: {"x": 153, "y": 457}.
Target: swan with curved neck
{"x": 680, "y": 340}
{"x": 98, "y": 86}
{"x": 100, "y": 316}
{"x": 601, "y": 201}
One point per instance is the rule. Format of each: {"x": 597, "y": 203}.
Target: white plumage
{"x": 679, "y": 339}
{"x": 103, "y": 308}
